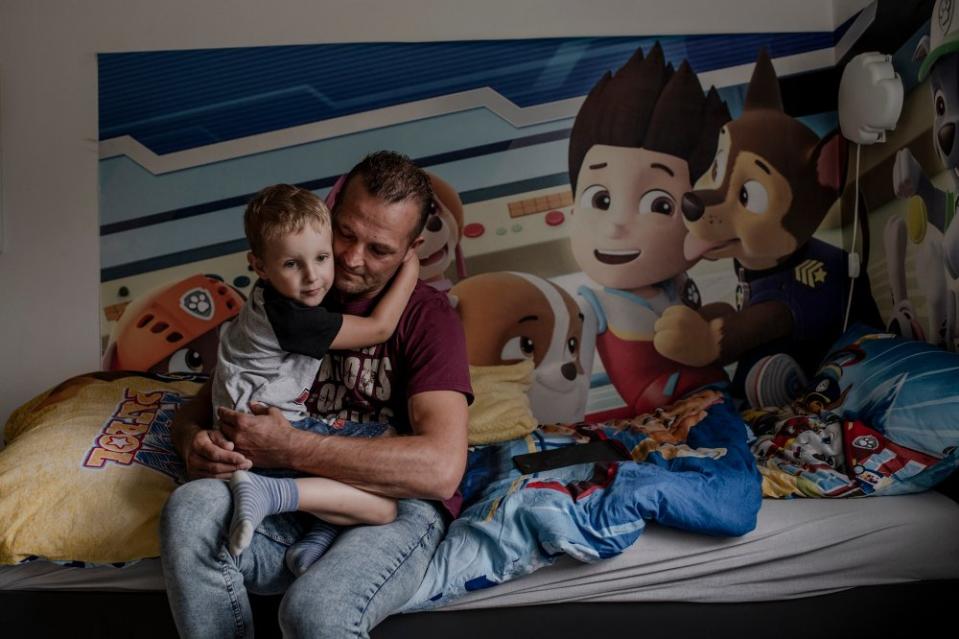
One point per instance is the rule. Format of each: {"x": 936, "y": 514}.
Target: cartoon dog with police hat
{"x": 770, "y": 185}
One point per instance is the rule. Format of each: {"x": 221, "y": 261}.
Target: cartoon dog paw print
{"x": 691, "y": 294}
{"x": 198, "y": 303}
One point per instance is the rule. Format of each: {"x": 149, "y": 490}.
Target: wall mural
{"x": 624, "y": 191}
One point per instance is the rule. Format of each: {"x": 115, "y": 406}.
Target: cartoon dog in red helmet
{"x": 173, "y": 328}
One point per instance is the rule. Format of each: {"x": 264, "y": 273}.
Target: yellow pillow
{"x": 87, "y": 468}
{"x": 500, "y": 408}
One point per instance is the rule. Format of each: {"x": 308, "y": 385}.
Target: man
{"x": 419, "y": 379}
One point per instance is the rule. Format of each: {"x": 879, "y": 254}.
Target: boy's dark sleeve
{"x": 304, "y": 330}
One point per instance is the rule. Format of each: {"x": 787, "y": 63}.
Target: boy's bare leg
{"x": 335, "y": 504}
{"x": 332, "y": 501}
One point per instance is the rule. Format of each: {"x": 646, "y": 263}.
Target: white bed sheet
{"x": 799, "y": 548}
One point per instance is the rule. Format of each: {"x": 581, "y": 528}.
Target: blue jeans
{"x": 337, "y": 427}
{"x": 368, "y": 573}
{"x": 341, "y": 427}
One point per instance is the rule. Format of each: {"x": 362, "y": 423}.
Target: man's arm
{"x": 428, "y": 464}
{"x": 206, "y": 452}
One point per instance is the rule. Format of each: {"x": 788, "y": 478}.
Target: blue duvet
{"x": 691, "y": 468}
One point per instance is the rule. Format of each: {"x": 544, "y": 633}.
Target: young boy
{"x": 271, "y": 355}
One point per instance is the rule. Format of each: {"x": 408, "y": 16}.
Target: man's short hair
{"x": 279, "y": 210}
{"x": 392, "y": 177}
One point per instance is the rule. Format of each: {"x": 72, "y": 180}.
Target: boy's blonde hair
{"x": 279, "y": 210}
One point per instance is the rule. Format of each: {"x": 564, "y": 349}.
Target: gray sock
{"x": 254, "y": 498}
{"x": 304, "y": 552}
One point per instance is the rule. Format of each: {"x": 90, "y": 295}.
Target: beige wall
{"x": 49, "y": 266}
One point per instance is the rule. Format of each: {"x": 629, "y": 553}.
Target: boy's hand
{"x": 411, "y": 265}
{"x": 212, "y": 455}
{"x": 409, "y": 274}
{"x": 262, "y": 436}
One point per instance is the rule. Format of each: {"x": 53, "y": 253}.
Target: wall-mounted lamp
{"x": 870, "y": 98}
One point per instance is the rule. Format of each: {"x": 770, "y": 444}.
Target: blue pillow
{"x": 907, "y": 392}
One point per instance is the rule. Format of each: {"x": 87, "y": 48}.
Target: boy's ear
{"x": 256, "y": 264}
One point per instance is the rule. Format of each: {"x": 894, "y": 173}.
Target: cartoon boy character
{"x": 640, "y": 139}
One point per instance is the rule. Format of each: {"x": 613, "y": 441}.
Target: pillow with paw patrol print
{"x": 87, "y": 468}
{"x": 904, "y": 395}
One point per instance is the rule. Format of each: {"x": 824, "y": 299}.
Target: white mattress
{"x": 800, "y": 548}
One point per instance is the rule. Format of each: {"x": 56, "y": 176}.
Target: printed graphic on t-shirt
{"x": 355, "y": 385}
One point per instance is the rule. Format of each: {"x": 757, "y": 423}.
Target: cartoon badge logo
{"x": 199, "y": 303}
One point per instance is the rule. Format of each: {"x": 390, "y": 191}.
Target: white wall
{"x": 49, "y": 267}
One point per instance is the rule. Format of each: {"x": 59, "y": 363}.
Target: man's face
{"x": 627, "y": 227}
{"x": 370, "y": 239}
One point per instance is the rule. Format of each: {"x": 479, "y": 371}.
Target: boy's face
{"x": 298, "y": 265}
{"x": 628, "y": 229}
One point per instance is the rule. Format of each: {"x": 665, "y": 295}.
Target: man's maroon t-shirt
{"x": 427, "y": 352}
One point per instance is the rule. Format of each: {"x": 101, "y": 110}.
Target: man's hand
{"x": 206, "y": 453}
{"x": 210, "y": 454}
{"x": 263, "y": 436}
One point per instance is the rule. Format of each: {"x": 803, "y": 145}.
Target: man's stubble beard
{"x": 352, "y": 287}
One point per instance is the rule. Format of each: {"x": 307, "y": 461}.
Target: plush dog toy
{"x": 770, "y": 185}
{"x": 441, "y": 236}
{"x": 510, "y": 317}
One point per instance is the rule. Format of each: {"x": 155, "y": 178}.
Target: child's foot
{"x": 254, "y": 498}
{"x": 304, "y": 553}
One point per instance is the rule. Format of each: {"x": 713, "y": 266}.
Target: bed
{"x": 868, "y": 565}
